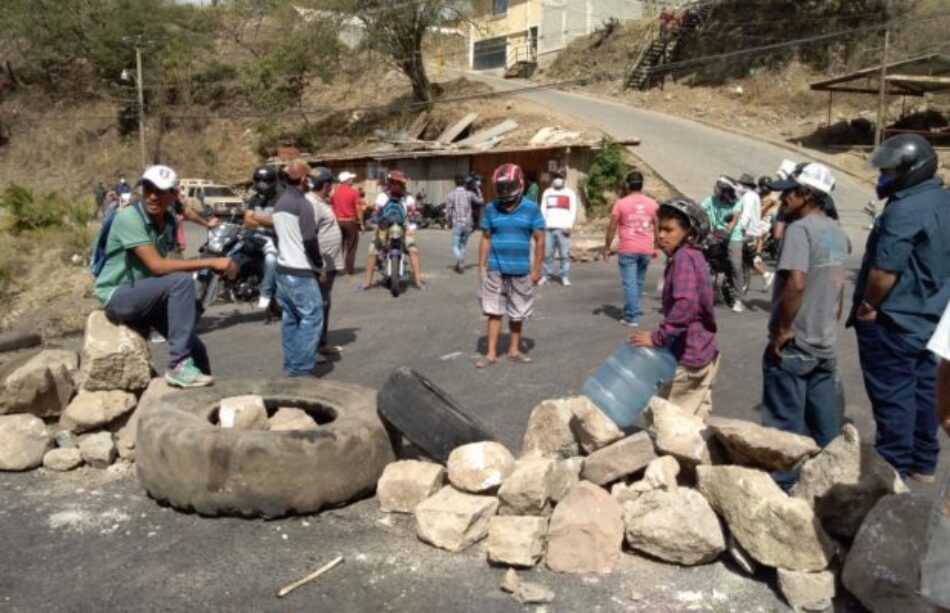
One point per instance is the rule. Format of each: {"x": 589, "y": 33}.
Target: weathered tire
{"x": 427, "y": 416}
{"x": 183, "y": 459}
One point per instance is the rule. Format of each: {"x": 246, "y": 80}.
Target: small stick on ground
{"x": 292, "y": 586}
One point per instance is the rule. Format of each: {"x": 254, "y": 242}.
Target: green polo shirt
{"x": 719, "y": 212}
{"x": 131, "y": 228}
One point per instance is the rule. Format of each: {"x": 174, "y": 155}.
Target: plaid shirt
{"x": 460, "y": 202}
{"x": 688, "y": 328}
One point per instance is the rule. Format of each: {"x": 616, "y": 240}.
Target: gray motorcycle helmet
{"x": 910, "y": 155}
{"x": 694, "y": 214}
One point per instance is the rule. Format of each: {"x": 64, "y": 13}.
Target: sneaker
{"x": 769, "y": 278}
{"x": 543, "y": 281}
{"x": 322, "y": 359}
{"x": 738, "y": 307}
{"x": 922, "y": 478}
{"x": 263, "y": 303}
{"x": 186, "y": 374}
{"x": 566, "y": 282}
{"x": 629, "y": 323}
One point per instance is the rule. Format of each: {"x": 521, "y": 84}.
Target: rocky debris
{"x": 845, "y": 481}
{"x": 14, "y": 340}
{"x": 527, "y": 490}
{"x": 453, "y": 520}
{"x": 479, "y": 467}
{"x": 677, "y": 526}
{"x": 41, "y": 386}
{"x": 677, "y": 433}
{"x": 626, "y": 492}
{"x": 525, "y": 592}
{"x": 750, "y": 444}
{"x": 24, "y": 440}
{"x": 97, "y": 450}
{"x": 549, "y": 431}
{"x": 620, "y": 459}
{"x": 114, "y": 357}
{"x": 125, "y": 435}
{"x": 590, "y": 426}
{"x": 807, "y": 591}
{"x": 406, "y": 483}
{"x": 564, "y": 476}
{"x": 65, "y": 439}
{"x": 585, "y": 532}
{"x": 62, "y": 459}
{"x": 288, "y": 418}
{"x": 661, "y": 473}
{"x": 881, "y": 569}
{"x": 775, "y": 529}
{"x": 740, "y": 556}
{"x": 516, "y": 540}
{"x": 92, "y": 410}
{"x": 243, "y": 413}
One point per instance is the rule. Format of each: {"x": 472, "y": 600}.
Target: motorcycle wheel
{"x": 395, "y": 263}
{"x": 209, "y": 293}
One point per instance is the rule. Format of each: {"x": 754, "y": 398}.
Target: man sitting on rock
{"x": 142, "y": 287}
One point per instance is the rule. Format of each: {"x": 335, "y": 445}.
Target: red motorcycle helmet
{"x": 397, "y": 182}
{"x": 509, "y": 183}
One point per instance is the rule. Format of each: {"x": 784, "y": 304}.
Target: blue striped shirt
{"x": 510, "y": 232}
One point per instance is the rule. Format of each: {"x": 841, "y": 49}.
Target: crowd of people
{"x": 900, "y": 292}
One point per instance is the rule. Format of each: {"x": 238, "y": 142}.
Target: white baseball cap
{"x": 814, "y": 175}
{"x": 785, "y": 169}
{"x": 160, "y": 176}
{"x": 345, "y": 176}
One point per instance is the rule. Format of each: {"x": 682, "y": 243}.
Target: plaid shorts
{"x": 502, "y": 295}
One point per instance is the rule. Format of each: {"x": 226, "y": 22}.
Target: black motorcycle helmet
{"x": 634, "y": 180}
{"x": 264, "y": 180}
{"x": 910, "y": 156}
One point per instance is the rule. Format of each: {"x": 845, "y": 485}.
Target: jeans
{"x": 734, "y": 249}
{"x": 269, "y": 282}
{"x": 900, "y": 379}
{"x": 633, "y": 272}
{"x": 460, "y": 236}
{"x": 325, "y": 290}
{"x": 166, "y": 304}
{"x": 302, "y": 322}
{"x": 799, "y": 395}
{"x": 556, "y": 236}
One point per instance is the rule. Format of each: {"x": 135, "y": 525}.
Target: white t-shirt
{"x": 751, "y": 219}
{"x": 940, "y": 342}
{"x": 559, "y": 208}
{"x": 408, "y": 201}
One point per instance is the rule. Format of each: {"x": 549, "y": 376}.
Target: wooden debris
{"x": 292, "y": 586}
{"x": 488, "y": 134}
{"x": 418, "y": 126}
{"x": 452, "y": 132}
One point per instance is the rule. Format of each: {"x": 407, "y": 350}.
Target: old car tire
{"x": 427, "y": 416}
{"x": 184, "y": 459}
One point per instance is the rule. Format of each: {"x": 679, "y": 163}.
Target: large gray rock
{"x": 479, "y": 467}
{"x": 845, "y": 481}
{"x": 243, "y": 413}
{"x": 527, "y": 490}
{"x": 619, "y": 460}
{"x": 92, "y": 410}
{"x": 591, "y": 427}
{"x": 289, "y": 418}
{"x": 42, "y": 386}
{"x": 750, "y": 444}
{"x": 677, "y": 526}
{"x": 24, "y": 440}
{"x": 516, "y": 540}
{"x": 114, "y": 357}
{"x": 882, "y": 568}
{"x": 807, "y": 591}
{"x": 62, "y": 459}
{"x": 453, "y": 520}
{"x": 406, "y": 483}
{"x": 125, "y": 435}
{"x": 775, "y": 529}
{"x": 585, "y": 532}
{"x": 678, "y": 433}
{"x": 97, "y": 450}
{"x": 549, "y": 431}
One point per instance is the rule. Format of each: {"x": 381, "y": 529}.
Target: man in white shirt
{"x": 751, "y": 223}
{"x": 559, "y": 208}
{"x": 939, "y": 345}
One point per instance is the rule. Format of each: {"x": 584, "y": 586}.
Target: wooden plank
{"x": 418, "y": 126}
{"x": 485, "y": 135}
{"x": 452, "y": 132}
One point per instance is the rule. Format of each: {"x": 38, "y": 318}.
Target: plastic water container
{"x": 625, "y": 382}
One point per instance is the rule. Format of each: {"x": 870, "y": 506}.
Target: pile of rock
{"x": 60, "y": 410}
{"x": 250, "y": 413}
{"x": 684, "y": 491}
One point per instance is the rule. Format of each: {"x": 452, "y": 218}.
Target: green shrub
{"x": 604, "y": 177}
{"x": 25, "y": 211}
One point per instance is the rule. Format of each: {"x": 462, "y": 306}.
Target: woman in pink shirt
{"x": 634, "y": 216}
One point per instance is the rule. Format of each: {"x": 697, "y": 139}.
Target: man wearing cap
{"x": 798, "y": 390}
{"x": 899, "y": 295}
{"x": 346, "y": 206}
{"x": 298, "y": 263}
{"x": 331, "y": 250}
{"x": 141, "y": 286}
{"x": 750, "y": 221}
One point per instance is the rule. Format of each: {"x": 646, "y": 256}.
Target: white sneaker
{"x": 738, "y": 307}
{"x": 566, "y": 282}
{"x": 769, "y": 278}
{"x": 263, "y": 303}
{"x": 543, "y": 281}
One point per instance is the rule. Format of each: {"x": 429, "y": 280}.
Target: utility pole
{"x": 138, "y": 84}
{"x": 882, "y": 92}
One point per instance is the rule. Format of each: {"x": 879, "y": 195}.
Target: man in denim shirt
{"x": 899, "y": 295}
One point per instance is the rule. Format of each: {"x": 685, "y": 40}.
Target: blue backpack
{"x": 99, "y": 256}
{"x": 392, "y": 213}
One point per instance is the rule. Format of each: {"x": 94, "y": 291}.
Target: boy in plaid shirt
{"x": 688, "y": 328}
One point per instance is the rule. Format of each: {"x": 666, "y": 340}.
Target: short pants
{"x": 502, "y": 295}
{"x": 379, "y": 241}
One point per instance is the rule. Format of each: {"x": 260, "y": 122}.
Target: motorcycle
{"x": 392, "y": 263}
{"x": 425, "y": 214}
{"x": 716, "y": 250}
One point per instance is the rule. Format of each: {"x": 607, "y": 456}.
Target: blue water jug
{"x": 625, "y": 382}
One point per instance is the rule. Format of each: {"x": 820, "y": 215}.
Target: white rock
{"x": 454, "y": 520}
{"x": 527, "y": 490}
{"x": 406, "y": 483}
{"x": 661, "y": 473}
{"x": 585, "y": 532}
{"x": 479, "y": 467}
{"x": 807, "y": 591}
{"x": 289, "y": 418}
{"x": 97, "y": 450}
{"x": 243, "y": 413}
{"x": 24, "y": 440}
{"x": 516, "y": 540}
{"x": 591, "y": 427}
{"x": 114, "y": 357}
{"x": 549, "y": 432}
{"x": 677, "y": 526}
{"x": 677, "y": 433}
{"x": 157, "y": 389}
{"x": 620, "y": 459}
{"x": 62, "y": 459}
{"x": 41, "y": 386}
{"x": 750, "y": 444}
{"x": 91, "y": 410}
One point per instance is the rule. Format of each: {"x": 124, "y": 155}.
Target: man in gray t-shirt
{"x": 798, "y": 390}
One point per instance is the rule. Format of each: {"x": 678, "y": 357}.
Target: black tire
{"x": 208, "y": 290}
{"x": 427, "y": 416}
{"x": 182, "y": 458}
{"x": 394, "y": 277}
